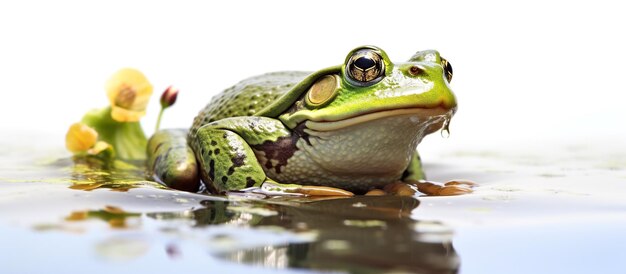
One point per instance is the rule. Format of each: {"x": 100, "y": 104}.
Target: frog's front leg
{"x": 414, "y": 171}
{"x": 223, "y": 149}
{"x": 415, "y": 176}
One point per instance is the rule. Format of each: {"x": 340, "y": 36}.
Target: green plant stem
{"x": 158, "y": 123}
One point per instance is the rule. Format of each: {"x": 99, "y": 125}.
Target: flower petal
{"x": 80, "y": 138}
{"x": 100, "y": 146}
{"x": 124, "y": 115}
{"x": 130, "y": 90}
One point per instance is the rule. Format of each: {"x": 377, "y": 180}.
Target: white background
{"x": 525, "y": 71}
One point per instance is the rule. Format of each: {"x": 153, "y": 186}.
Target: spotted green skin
{"x": 262, "y": 128}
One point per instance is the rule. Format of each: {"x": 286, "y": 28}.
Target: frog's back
{"x": 247, "y": 97}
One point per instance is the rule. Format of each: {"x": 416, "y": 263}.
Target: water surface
{"x": 557, "y": 210}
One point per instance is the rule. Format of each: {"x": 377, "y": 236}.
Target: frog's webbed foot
{"x": 450, "y": 188}
{"x": 396, "y": 189}
{"x": 410, "y": 188}
{"x": 414, "y": 181}
{"x": 273, "y": 188}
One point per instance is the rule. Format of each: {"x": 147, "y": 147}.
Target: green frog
{"x": 353, "y": 127}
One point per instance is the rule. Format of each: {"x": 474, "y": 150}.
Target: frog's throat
{"x": 422, "y": 113}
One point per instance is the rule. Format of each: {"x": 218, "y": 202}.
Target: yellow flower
{"x": 129, "y": 92}
{"x": 80, "y": 138}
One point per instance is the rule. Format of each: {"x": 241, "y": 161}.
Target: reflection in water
{"x": 359, "y": 234}
{"x": 114, "y": 216}
{"x": 362, "y": 234}
{"x": 89, "y": 173}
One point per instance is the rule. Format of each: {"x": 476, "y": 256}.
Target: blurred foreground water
{"x": 556, "y": 209}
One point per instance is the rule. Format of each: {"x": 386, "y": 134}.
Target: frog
{"x": 353, "y": 127}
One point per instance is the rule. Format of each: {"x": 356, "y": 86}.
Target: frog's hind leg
{"x": 171, "y": 161}
{"x": 223, "y": 149}
{"x": 227, "y": 161}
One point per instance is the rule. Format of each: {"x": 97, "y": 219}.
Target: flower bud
{"x": 168, "y": 98}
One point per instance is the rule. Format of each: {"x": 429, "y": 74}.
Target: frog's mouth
{"x": 436, "y": 115}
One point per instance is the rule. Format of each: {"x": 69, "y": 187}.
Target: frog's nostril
{"x": 415, "y": 70}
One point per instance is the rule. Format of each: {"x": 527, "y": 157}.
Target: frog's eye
{"x": 365, "y": 67}
{"x": 447, "y": 69}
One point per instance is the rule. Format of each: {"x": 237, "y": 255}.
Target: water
{"x": 559, "y": 209}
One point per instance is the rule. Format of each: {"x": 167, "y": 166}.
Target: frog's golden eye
{"x": 447, "y": 69}
{"x": 365, "y": 67}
